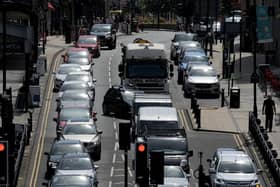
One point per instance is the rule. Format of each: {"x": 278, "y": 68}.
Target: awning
{"x": 50, "y": 6}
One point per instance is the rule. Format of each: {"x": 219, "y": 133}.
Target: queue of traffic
{"x": 72, "y": 158}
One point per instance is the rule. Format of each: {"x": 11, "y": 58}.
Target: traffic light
{"x": 156, "y": 167}
{"x": 141, "y": 163}
{"x": 124, "y": 136}
{"x": 6, "y": 110}
{"x": 4, "y": 163}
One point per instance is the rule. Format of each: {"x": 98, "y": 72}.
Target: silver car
{"x": 180, "y": 37}
{"x": 174, "y": 176}
{"x": 77, "y": 164}
{"x": 183, "y": 45}
{"x": 203, "y": 80}
{"x": 231, "y": 167}
{"x": 84, "y": 63}
{"x": 81, "y": 76}
{"x": 76, "y": 85}
{"x": 85, "y": 132}
{"x": 62, "y": 71}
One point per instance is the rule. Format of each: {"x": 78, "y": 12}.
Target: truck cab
{"x": 145, "y": 66}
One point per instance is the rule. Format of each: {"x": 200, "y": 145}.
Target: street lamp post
{"x": 254, "y": 78}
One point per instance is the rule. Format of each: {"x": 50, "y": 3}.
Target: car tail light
{"x": 62, "y": 123}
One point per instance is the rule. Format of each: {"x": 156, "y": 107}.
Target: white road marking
{"x": 112, "y": 171}
{"x": 110, "y": 183}
{"x": 116, "y": 135}
{"x": 114, "y": 124}
{"x": 129, "y": 171}
{"x": 114, "y": 158}
{"x": 116, "y": 146}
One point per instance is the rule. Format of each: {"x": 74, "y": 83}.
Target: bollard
{"x": 223, "y": 97}
{"x": 198, "y": 118}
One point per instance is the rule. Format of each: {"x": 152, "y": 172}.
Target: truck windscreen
{"x": 147, "y": 69}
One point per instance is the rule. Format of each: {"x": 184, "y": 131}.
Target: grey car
{"x": 62, "y": 71}
{"x": 84, "y": 63}
{"x": 180, "y": 37}
{"x": 232, "y": 167}
{"x": 58, "y": 149}
{"x": 202, "y": 80}
{"x": 71, "y": 181}
{"x": 76, "y": 85}
{"x": 106, "y": 34}
{"x": 77, "y": 164}
{"x": 75, "y": 98}
{"x": 183, "y": 45}
{"x": 175, "y": 176}
{"x": 87, "y": 133}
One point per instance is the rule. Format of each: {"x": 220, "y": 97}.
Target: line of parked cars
{"x": 195, "y": 71}
{"x": 77, "y": 146}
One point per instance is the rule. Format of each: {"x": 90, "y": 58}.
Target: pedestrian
{"x": 269, "y": 110}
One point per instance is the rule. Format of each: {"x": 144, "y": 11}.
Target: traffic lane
{"x": 111, "y": 169}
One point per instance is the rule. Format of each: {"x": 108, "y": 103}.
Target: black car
{"x": 106, "y": 34}
{"x": 71, "y": 180}
{"x": 58, "y": 149}
{"x": 116, "y": 102}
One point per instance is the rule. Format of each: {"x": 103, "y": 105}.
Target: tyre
{"x": 105, "y": 110}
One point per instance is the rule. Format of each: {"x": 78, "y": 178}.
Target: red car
{"x": 90, "y": 42}
{"x": 74, "y": 52}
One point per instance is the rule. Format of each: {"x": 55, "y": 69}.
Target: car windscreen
{"x": 170, "y": 146}
{"x": 75, "y": 164}
{"x": 202, "y": 73}
{"x": 147, "y": 69}
{"x": 185, "y": 37}
{"x": 66, "y": 70}
{"x": 92, "y": 40}
{"x": 100, "y": 28}
{"x": 77, "y": 54}
{"x": 75, "y": 96}
{"x": 80, "y": 61}
{"x": 74, "y": 114}
{"x": 235, "y": 167}
{"x": 173, "y": 171}
{"x": 82, "y": 86}
{"x": 146, "y": 125}
{"x": 76, "y": 77}
{"x": 198, "y": 57}
{"x": 82, "y": 181}
{"x": 60, "y": 149}
{"x": 79, "y": 129}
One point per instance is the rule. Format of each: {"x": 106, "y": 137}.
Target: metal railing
{"x": 261, "y": 138}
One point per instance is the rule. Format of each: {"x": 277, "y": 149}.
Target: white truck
{"x": 145, "y": 66}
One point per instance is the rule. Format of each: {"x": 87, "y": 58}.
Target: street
{"x": 111, "y": 165}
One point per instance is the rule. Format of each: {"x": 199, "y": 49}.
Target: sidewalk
{"x": 233, "y": 120}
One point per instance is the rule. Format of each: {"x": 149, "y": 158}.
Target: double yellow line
{"x": 45, "y": 114}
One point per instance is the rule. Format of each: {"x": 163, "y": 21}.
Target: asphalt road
{"x": 111, "y": 165}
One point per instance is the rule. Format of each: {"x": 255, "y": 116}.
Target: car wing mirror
{"x": 94, "y": 80}
{"x": 46, "y": 153}
{"x": 259, "y": 171}
{"x": 210, "y": 62}
{"x": 212, "y": 170}
{"x": 218, "y": 76}
{"x": 190, "y": 153}
{"x": 99, "y": 132}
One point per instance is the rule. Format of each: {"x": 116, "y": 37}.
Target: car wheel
{"x": 115, "y": 44}
{"x": 105, "y": 109}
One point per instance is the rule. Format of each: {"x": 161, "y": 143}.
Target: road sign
{"x": 264, "y": 29}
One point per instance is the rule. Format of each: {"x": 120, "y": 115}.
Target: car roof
{"x": 79, "y": 73}
{"x": 201, "y": 66}
{"x": 77, "y": 49}
{"x": 76, "y": 155}
{"x": 74, "y": 82}
{"x": 102, "y": 24}
{"x": 158, "y": 113}
{"x": 88, "y": 36}
{"x": 67, "y": 142}
{"x": 69, "y": 65}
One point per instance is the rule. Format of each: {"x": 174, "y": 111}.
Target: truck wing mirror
{"x": 190, "y": 153}
{"x": 171, "y": 67}
{"x": 120, "y": 67}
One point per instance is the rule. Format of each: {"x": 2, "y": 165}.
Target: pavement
{"x": 236, "y": 120}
